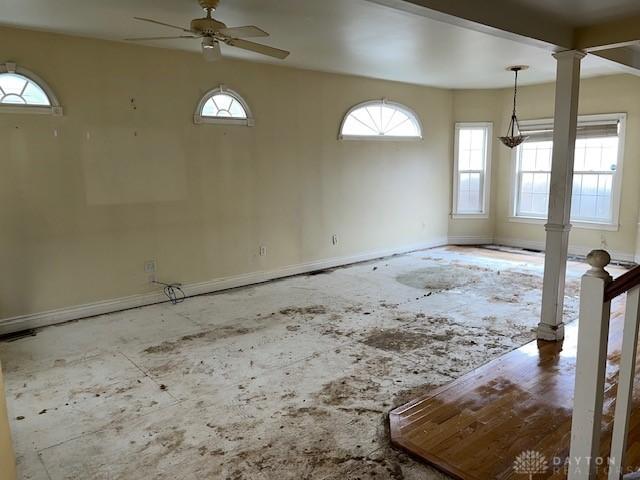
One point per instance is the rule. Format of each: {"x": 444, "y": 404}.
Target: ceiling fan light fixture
{"x": 513, "y": 138}
{"x": 211, "y": 49}
{"x": 209, "y": 42}
{"x": 213, "y": 32}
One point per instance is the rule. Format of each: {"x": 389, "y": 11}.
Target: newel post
{"x": 593, "y": 335}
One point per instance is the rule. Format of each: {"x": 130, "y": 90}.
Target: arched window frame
{"x": 54, "y": 109}
{"x": 198, "y": 118}
{"x": 403, "y": 108}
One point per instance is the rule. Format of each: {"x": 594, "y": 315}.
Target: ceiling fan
{"x": 213, "y": 33}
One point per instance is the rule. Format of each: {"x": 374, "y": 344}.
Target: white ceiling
{"x": 346, "y": 36}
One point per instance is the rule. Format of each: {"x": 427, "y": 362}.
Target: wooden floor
{"x": 474, "y": 428}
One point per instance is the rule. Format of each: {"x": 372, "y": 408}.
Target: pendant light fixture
{"x": 513, "y": 138}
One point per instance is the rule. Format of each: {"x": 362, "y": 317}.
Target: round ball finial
{"x": 598, "y": 259}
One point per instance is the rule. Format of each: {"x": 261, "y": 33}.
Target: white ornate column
{"x": 551, "y": 326}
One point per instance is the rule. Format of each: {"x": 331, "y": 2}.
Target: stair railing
{"x": 597, "y": 291}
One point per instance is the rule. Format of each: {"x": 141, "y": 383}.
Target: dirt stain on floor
{"x": 211, "y": 335}
{"x": 311, "y": 310}
{"x": 445, "y": 277}
{"x": 395, "y": 340}
{"x": 343, "y": 390}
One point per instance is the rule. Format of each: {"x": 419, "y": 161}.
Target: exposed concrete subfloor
{"x": 292, "y": 379}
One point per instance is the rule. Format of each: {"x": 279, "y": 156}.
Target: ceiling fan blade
{"x": 211, "y": 54}
{"x": 142, "y": 39}
{"x": 164, "y": 24}
{"x": 258, "y": 48}
{"x": 243, "y": 32}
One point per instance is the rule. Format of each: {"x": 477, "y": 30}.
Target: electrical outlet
{"x": 150, "y": 266}
{"x": 334, "y": 239}
{"x": 263, "y": 251}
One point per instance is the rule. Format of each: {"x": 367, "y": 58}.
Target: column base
{"x": 550, "y": 333}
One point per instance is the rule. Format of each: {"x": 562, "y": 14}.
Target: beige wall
{"x": 612, "y": 94}
{"x": 82, "y": 211}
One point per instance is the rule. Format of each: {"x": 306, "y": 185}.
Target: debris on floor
{"x": 291, "y": 379}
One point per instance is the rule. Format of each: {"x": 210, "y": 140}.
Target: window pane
{"x": 375, "y": 116}
{"x": 543, "y": 158}
{"x": 474, "y": 182}
{"x": 477, "y": 139}
{"x": 209, "y": 109}
{"x": 464, "y": 139}
{"x": 592, "y": 157}
{"x": 540, "y": 204}
{"x": 476, "y": 159}
{"x": 34, "y": 95}
{"x": 589, "y": 184}
{"x": 12, "y": 83}
{"x": 352, "y": 126}
{"x": 588, "y": 206}
{"x": 405, "y": 129}
{"x": 469, "y": 193}
{"x": 464, "y": 159}
{"x": 541, "y": 183}
{"x": 386, "y": 116}
{"x": 236, "y": 109}
{"x": 527, "y": 158}
{"x": 525, "y": 202}
{"x": 527, "y": 182}
{"x": 603, "y": 209}
{"x": 464, "y": 182}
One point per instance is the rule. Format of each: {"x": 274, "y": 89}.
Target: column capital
{"x": 569, "y": 54}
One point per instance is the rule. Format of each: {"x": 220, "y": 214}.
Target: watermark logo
{"x": 530, "y": 463}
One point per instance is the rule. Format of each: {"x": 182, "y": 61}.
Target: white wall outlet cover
{"x": 263, "y": 251}
{"x": 334, "y": 239}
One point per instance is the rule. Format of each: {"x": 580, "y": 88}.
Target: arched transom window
{"x": 222, "y": 105}
{"x": 22, "y": 91}
{"x": 380, "y": 119}
{"x": 18, "y": 90}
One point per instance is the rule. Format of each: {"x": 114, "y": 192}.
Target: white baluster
{"x": 625, "y": 384}
{"x": 593, "y": 334}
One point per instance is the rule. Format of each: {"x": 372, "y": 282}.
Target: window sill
{"x": 611, "y": 227}
{"x": 37, "y": 109}
{"x": 378, "y": 138}
{"x": 200, "y": 119}
{"x": 469, "y": 216}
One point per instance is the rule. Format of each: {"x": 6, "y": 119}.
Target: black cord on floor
{"x": 173, "y": 292}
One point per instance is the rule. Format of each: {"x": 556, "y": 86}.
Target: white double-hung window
{"x": 472, "y": 170}
{"x": 597, "y": 171}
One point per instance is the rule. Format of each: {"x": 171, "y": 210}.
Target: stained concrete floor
{"x": 286, "y": 380}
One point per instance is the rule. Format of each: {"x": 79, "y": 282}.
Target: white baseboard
{"x": 470, "y": 240}
{"x": 579, "y": 250}
{"x": 51, "y": 317}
